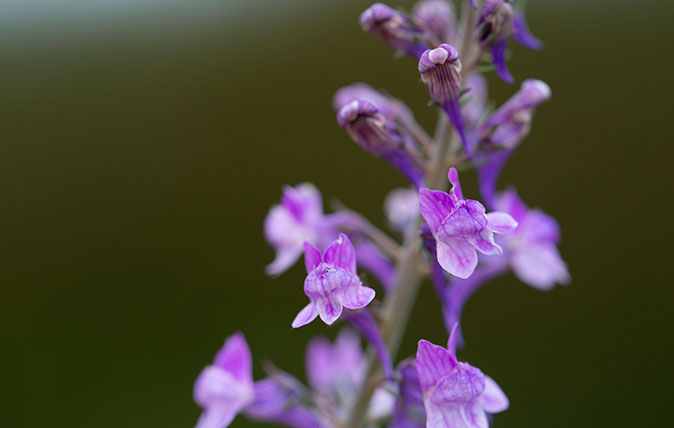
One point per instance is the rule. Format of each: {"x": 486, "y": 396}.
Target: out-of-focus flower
{"x": 402, "y": 208}
{"x": 437, "y": 17}
{"x": 505, "y": 129}
{"x": 332, "y": 283}
{"x": 461, "y": 227}
{"x": 224, "y": 388}
{"x": 394, "y": 29}
{"x": 531, "y": 248}
{"x": 379, "y": 136}
{"x": 456, "y": 394}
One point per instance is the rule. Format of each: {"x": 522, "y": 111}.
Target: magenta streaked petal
{"x": 538, "y": 227}
{"x": 457, "y": 256}
{"x": 501, "y": 222}
{"x": 433, "y": 362}
{"x": 357, "y": 296}
{"x": 540, "y": 266}
{"x": 306, "y": 315}
{"x": 329, "y": 308}
{"x": 285, "y": 258}
{"x": 435, "y": 206}
{"x": 235, "y": 357}
{"x": 510, "y": 202}
{"x": 341, "y": 254}
{"x": 303, "y": 201}
{"x": 467, "y": 220}
{"x": 460, "y": 386}
{"x": 312, "y": 256}
{"x": 493, "y": 398}
{"x": 484, "y": 243}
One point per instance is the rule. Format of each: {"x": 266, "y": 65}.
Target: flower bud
{"x": 394, "y": 28}
{"x": 437, "y": 17}
{"x": 388, "y": 106}
{"x": 379, "y": 136}
{"x": 494, "y": 29}
{"x": 512, "y": 121}
{"x": 440, "y": 70}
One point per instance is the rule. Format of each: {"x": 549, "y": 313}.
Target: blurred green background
{"x": 144, "y": 141}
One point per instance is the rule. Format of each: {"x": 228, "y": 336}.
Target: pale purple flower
{"x": 393, "y": 28}
{"x": 531, "y": 248}
{"x": 494, "y": 30}
{"x": 380, "y": 136}
{"x": 437, "y": 17}
{"x": 440, "y": 70}
{"x": 390, "y": 107}
{"x": 402, "y": 208}
{"x": 336, "y": 370}
{"x": 461, "y": 227}
{"x": 332, "y": 283}
{"x": 505, "y": 129}
{"x": 226, "y": 387}
{"x": 455, "y": 394}
{"x": 298, "y": 219}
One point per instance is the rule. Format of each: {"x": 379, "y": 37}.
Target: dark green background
{"x": 142, "y": 147}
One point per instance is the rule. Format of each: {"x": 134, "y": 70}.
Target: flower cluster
{"x": 361, "y": 275}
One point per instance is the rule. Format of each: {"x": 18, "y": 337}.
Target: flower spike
{"x": 440, "y": 70}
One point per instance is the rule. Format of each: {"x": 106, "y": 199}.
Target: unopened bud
{"x": 394, "y": 28}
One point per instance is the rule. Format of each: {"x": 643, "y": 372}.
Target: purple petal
{"x": 357, "y": 296}
{"x": 510, "y": 202}
{"x": 433, "y": 362}
{"x": 457, "y": 256}
{"x": 451, "y": 342}
{"x": 522, "y": 34}
{"x": 218, "y": 416}
{"x": 467, "y": 220}
{"x": 306, "y": 315}
{"x": 279, "y": 403}
{"x": 538, "y": 227}
{"x": 319, "y": 363}
{"x": 303, "y": 201}
{"x": 435, "y": 206}
{"x": 312, "y": 256}
{"x": 364, "y": 322}
{"x": 341, "y": 254}
{"x": 328, "y": 364}
{"x": 453, "y": 110}
{"x": 455, "y": 191}
{"x": 329, "y": 307}
{"x": 501, "y": 222}
{"x": 540, "y": 266}
{"x": 235, "y": 358}
{"x": 498, "y": 51}
{"x": 461, "y": 386}
{"x": 493, "y": 399}
{"x": 484, "y": 243}
{"x": 488, "y": 174}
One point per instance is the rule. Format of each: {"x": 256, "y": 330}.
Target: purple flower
{"x": 436, "y": 17}
{"x": 531, "y": 248}
{"x": 390, "y": 107}
{"x": 226, "y": 387}
{"x": 401, "y": 207}
{"x": 461, "y": 227}
{"x": 440, "y": 70}
{"x": 409, "y": 410}
{"x": 332, "y": 283}
{"x": 379, "y": 136}
{"x": 505, "y": 129}
{"x": 336, "y": 370}
{"x": 456, "y": 394}
{"x": 297, "y": 219}
{"x": 393, "y": 28}
{"x": 494, "y": 29}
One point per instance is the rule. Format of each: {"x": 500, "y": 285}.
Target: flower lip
{"x": 432, "y": 58}
{"x": 376, "y": 14}
{"x": 351, "y": 111}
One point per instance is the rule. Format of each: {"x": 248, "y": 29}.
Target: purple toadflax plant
{"x": 459, "y": 244}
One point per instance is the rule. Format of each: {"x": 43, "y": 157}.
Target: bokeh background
{"x": 143, "y": 142}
